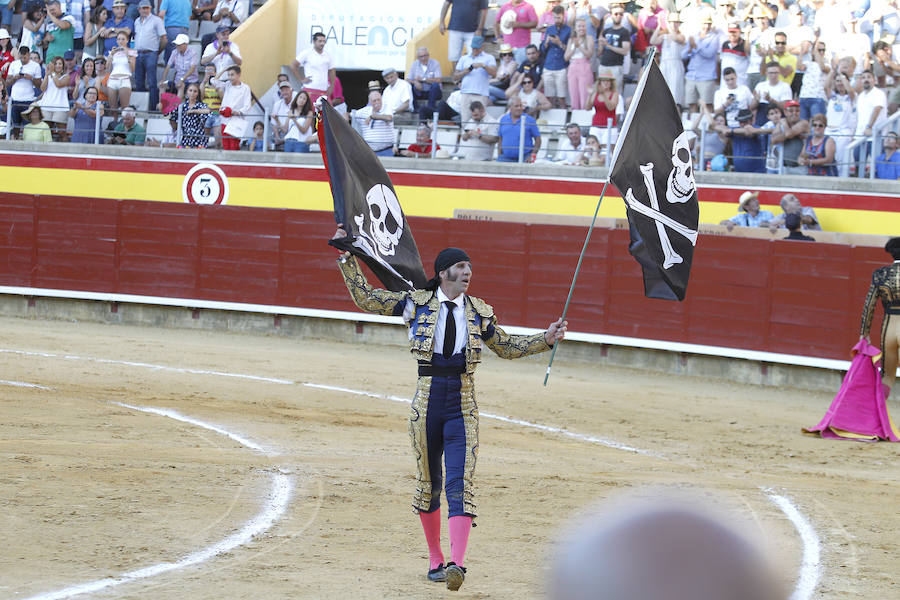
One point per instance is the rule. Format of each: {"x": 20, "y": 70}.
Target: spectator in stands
{"x": 122, "y": 60}
{"x": 604, "y": 98}
{"x": 793, "y": 222}
{"x": 95, "y": 33}
{"x": 117, "y": 23}
{"x": 194, "y": 113}
{"x": 747, "y": 145}
{"x": 184, "y": 64}
{"x": 212, "y": 97}
{"x": 592, "y": 13}
{"x": 731, "y": 97}
{"x": 871, "y": 108}
{"x": 812, "y": 88}
{"x": 792, "y": 134}
{"x": 397, "y": 96}
{"x": 671, "y": 41}
{"x": 466, "y": 21}
{"x": 202, "y": 10}
{"x": 614, "y": 44}
{"x": 377, "y": 125}
{"x": 149, "y": 39}
{"x": 102, "y": 80}
{"x": 426, "y": 79}
{"x": 579, "y": 75}
{"x": 840, "y": 112}
{"x": 128, "y": 132}
{"x": 818, "y": 152}
{"x": 257, "y": 143}
{"x": 800, "y": 39}
{"x": 510, "y": 129}
{"x": 473, "y": 73}
{"x": 701, "y": 51}
{"x": 422, "y": 147}
{"x": 887, "y": 67}
{"x": 222, "y": 53}
{"x": 54, "y": 102}
{"x": 571, "y": 148}
{"x": 555, "y": 64}
{"x": 887, "y": 165}
{"x": 281, "y": 112}
{"x": 505, "y": 71}
{"x": 517, "y": 30}
{"x": 532, "y": 66}
{"x": 34, "y": 25}
{"x": 749, "y": 213}
{"x": 593, "y": 154}
{"x": 787, "y": 62}
{"x": 60, "y": 30}
{"x": 790, "y": 204}
{"x": 762, "y": 39}
{"x": 176, "y": 15}
{"x": 87, "y": 78}
{"x": 318, "y": 69}
{"x": 533, "y": 100}
{"x": 231, "y": 13}
{"x": 301, "y": 124}
{"x": 236, "y": 101}
{"x": 717, "y": 140}
{"x": 771, "y": 92}
{"x": 73, "y": 71}
{"x": 480, "y": 134}
{"x": 735, "y": 54}
{"x": 36, "y": 130}
{"x": 649, "y": 19}
{"x": 773, "y": 150}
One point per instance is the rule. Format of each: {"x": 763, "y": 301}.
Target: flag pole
{"x": 610, "y": 163}
{"x": 587, "y": 239}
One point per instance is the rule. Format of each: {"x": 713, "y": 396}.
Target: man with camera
{"x": 731, "y": 98}
{"x": 222, "y": 53}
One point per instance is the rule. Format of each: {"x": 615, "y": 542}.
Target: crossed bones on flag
{"x": 662, "y": 221}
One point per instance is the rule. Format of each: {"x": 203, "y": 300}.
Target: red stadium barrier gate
{"x": 776, "y": 296}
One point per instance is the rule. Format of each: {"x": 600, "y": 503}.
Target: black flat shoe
{"x": 437, "y": 574}
{"x": 455, "y": 576}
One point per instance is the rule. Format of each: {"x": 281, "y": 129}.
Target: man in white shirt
{"x": 871, "y": 107}
{"x": 425, "y": 77}
{"x": 231, "y": 13}
{"x": 21, "y": 78}
{"x": 236, "y": 101}
{"x": 397, "y": 96}
{"x": 222, "y": 53}
{"x": 479, "y": 134}
{"x": 730, "y": 98}
{"x": 473, "y": 73}
{"x": 770, "y": 92}
{"x": 376, "y": 125}
{"x": 572, "y": 146}
{"x": 318, "y": 69}
{"x": 281, "y": 109}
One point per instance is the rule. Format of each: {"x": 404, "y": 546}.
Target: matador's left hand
{"x": 555, "y": 332}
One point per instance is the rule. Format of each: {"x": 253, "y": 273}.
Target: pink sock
{"x": 431, "y": 523}
{"x": 459, "y": 537}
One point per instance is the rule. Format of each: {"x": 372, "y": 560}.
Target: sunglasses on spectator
{"x": 818, "y": 124}
{"x": 777, "y": 43}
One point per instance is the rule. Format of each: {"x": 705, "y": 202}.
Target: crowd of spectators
{"x": 785, "y": 86}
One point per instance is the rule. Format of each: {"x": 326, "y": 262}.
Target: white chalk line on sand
{"x": 810, "y": 569}
{"x": 276, "y": 504}
{"x": 24, "y": 385}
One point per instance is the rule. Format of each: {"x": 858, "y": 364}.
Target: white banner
{"x": 365, "y": 34}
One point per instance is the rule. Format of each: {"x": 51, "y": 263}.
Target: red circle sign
{"x": 205, "y": 184}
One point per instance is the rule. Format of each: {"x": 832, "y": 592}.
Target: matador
{"x": 447, "y": 330}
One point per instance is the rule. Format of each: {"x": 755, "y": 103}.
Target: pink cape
{"x": 859, "y": 412}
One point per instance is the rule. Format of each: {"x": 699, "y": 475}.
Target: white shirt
{"x": 474, "y": 148}
{"x": 23, "y": 90}
{"x": 240, "y": 8}
{"x": 281, "y": 109}
{"x": 866, "y": 102}
{"x": 759, "y": 38}
{"x": 780, "y": 92}
{"x": 221, "y": 60}
{"x": 395, "y": 95}
{"x": 742, "y": 98}
{"x": 378, "y": 134}
{"x": 567, "y": 153}
{"x": 316, "y": 67}
{"x": 238, "y": 98}
{"x": 459, "y": 319}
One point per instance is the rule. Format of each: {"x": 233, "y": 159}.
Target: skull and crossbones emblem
{"x": 385, "y": 229}
{"x": 680, "y": 187}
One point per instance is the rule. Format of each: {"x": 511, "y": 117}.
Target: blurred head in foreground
{"x": 659, "y": 551}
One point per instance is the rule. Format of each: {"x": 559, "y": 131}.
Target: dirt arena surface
{"x": 91, "y": 489}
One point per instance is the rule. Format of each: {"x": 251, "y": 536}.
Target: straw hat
{"x": 506, "y": 21}
{"x": 31, "y": 107}
{"x": 606, "y": 74}
{"x": 745, "y": 197}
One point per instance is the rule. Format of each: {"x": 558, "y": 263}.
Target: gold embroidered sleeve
{"x": 515, "y": 346}
{"x": 367, "y": 298}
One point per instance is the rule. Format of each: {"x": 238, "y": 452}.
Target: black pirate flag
{"x": 365, "y": 202}
{"x": 652, "y": 168}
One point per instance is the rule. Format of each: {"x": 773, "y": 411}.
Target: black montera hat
{"x": 446, "y": 258}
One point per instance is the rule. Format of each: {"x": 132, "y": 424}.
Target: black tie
{"x": 449, "y": 330}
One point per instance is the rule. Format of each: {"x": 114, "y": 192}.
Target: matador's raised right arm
{"x": 367, "y": 298}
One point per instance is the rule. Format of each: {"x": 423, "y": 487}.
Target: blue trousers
{"x": 145, "y": 76}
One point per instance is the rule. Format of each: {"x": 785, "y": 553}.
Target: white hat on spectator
{"x": 506, "y": 22}
{"x": 285, "y": 84}
{"x": 4, "y": 34}
{"x": 745, "y": 197}
{"x": 388, "y": 71}
{"x": 181, "y": 38}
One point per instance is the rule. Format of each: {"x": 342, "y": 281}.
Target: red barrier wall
{"x": 789, "y": 297}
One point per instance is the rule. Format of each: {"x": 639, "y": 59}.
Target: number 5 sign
{"x": 205, "y": 184}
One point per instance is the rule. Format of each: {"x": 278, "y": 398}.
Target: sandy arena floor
{"x": 91, "y": 489}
